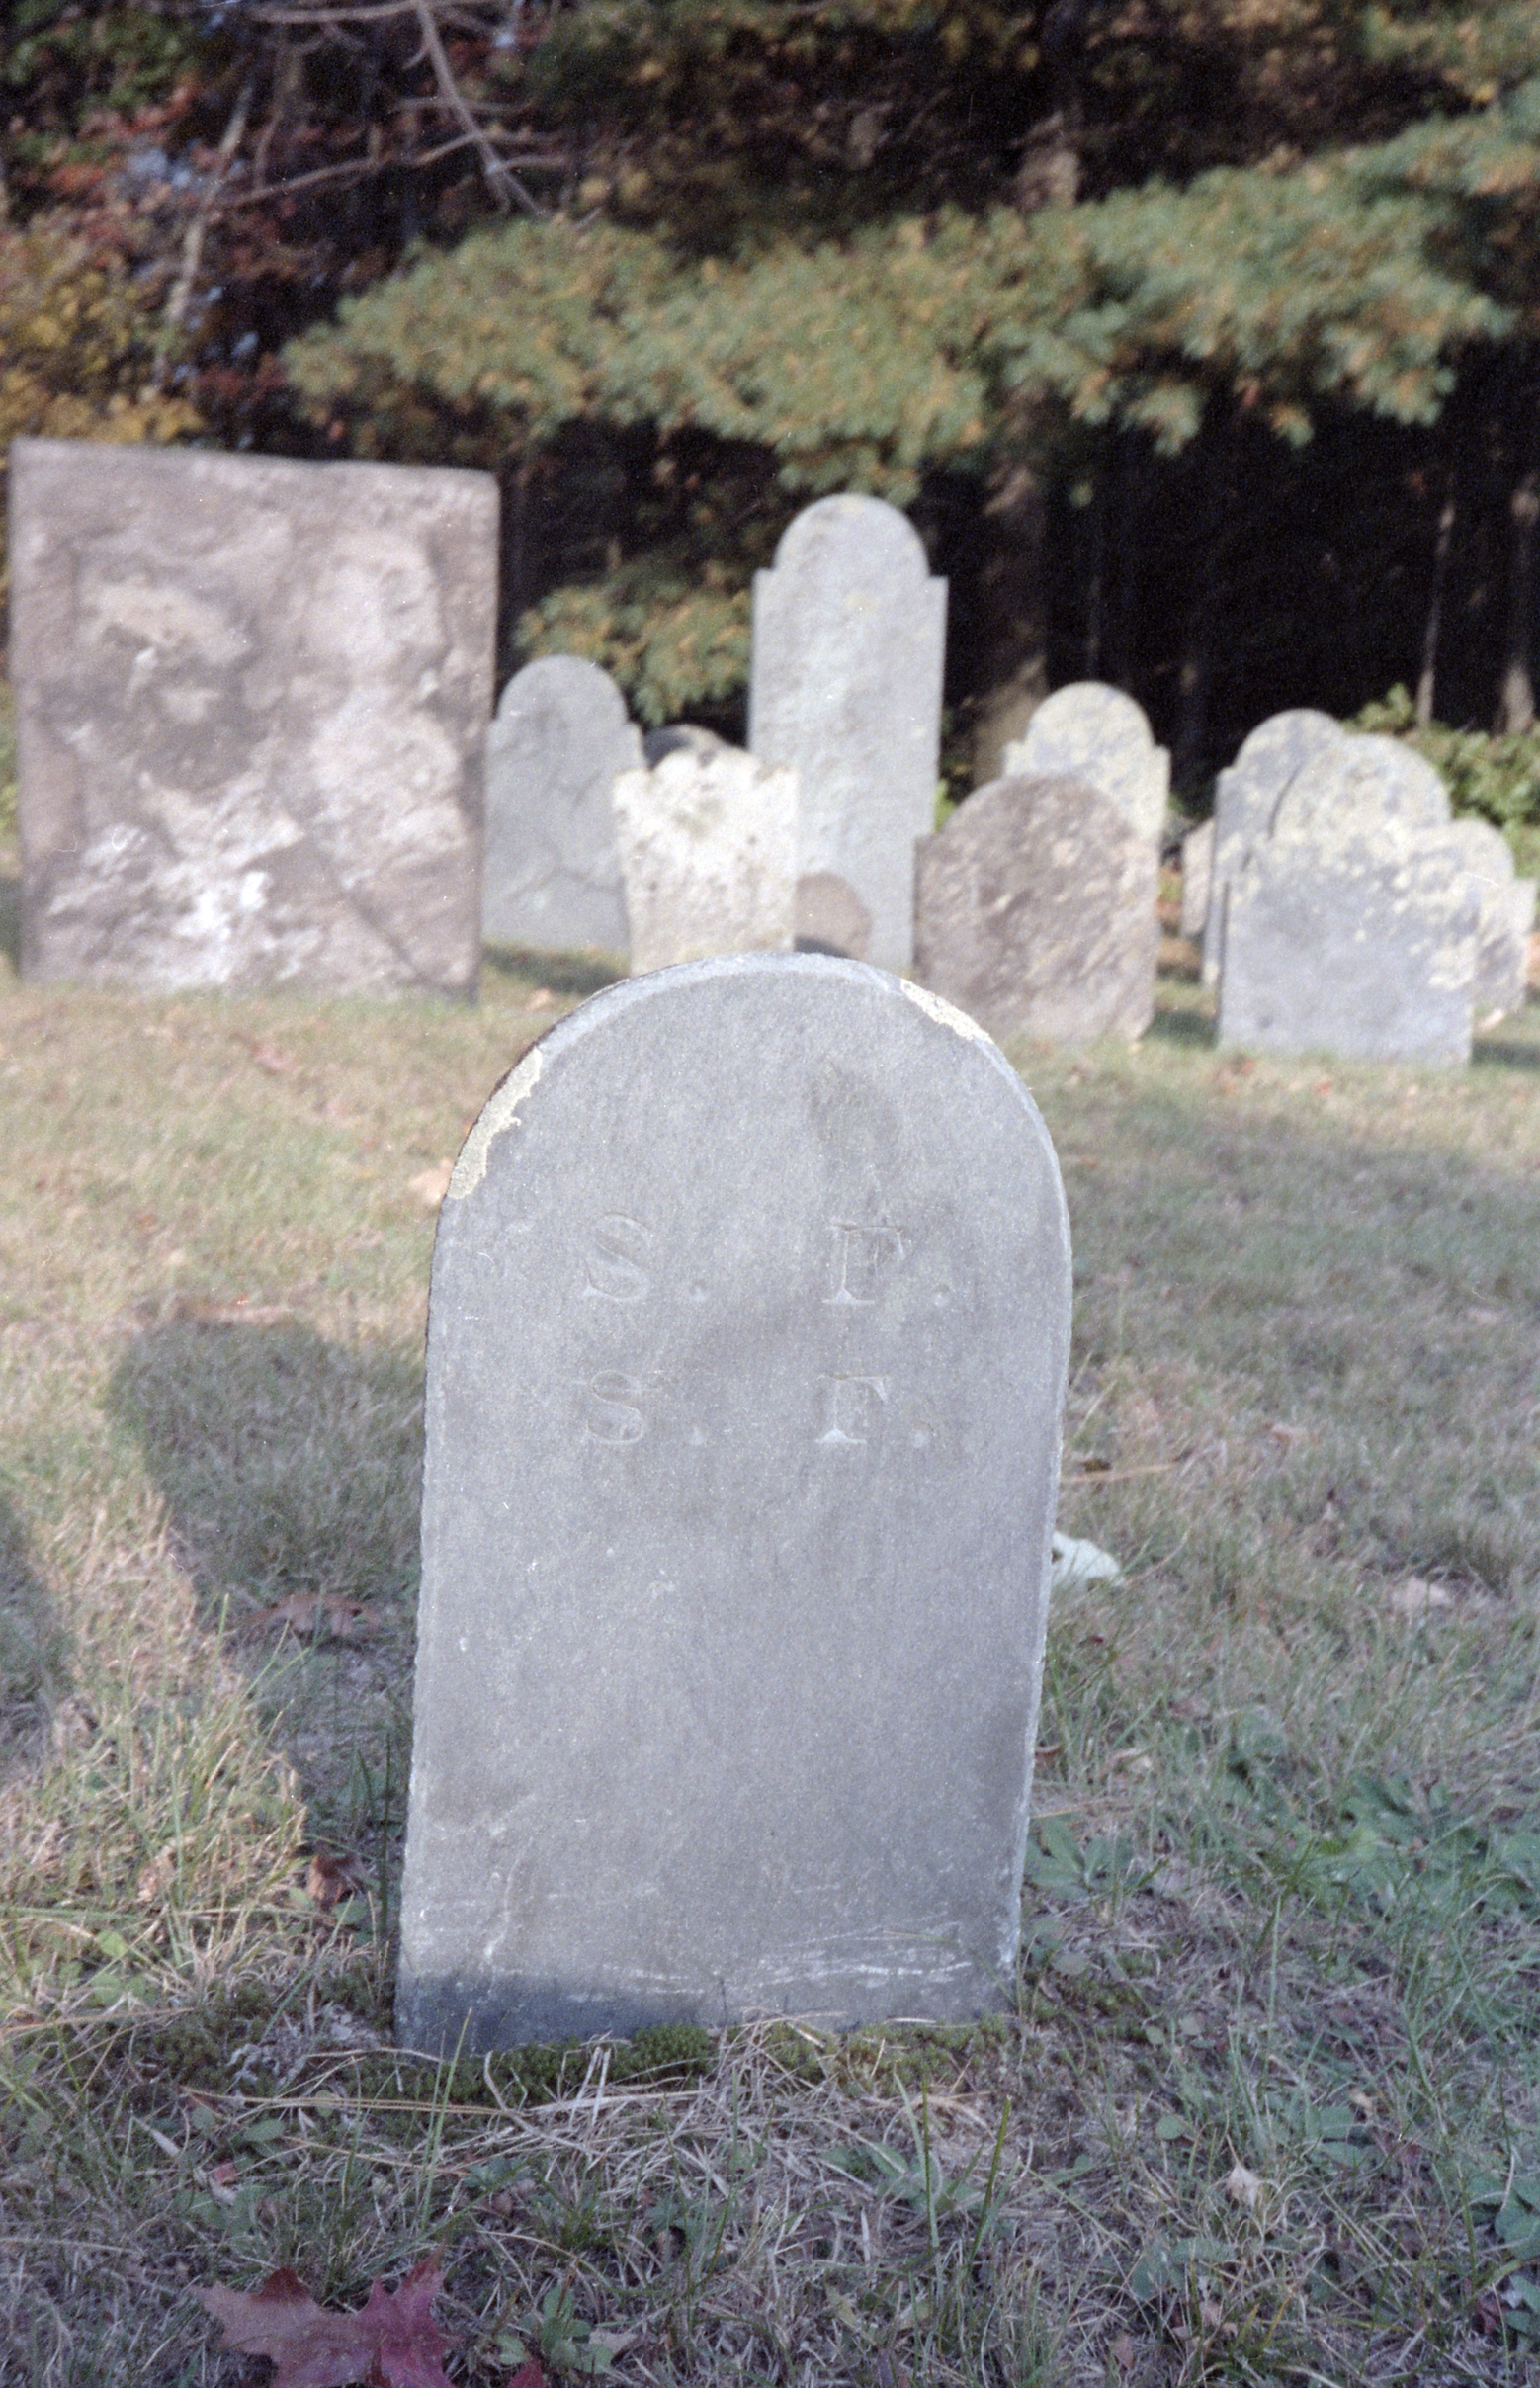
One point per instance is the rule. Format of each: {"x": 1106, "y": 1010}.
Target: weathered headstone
{"x": 1281, "y": 750}
{"x": 551, "y": 872}
{"x": 849, "y": 632}
{"x": 708, "y": 845}
{"x": 1089, "y": 732}
{"x": 1507, "y": 919}
{"x": 1035, "y": 912}
{"x": 746, "y": 1352}
{"x": 1350, "y": 929}
{"x": 1197, "y": 871}
{"x": 252, "y": 705}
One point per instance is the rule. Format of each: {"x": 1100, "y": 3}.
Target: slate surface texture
{"x": 252, "y": 702}
{"x": 747, "y": 1355}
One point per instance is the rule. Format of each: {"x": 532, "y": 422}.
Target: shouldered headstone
{"x": 708, "y": 844}
{"x": 746, "y": 1354}
{"x": 252, "y": 702}
{"x": 1036, "y": 912}
{"x": 1507, "y": 919}
{"x": 551, "y": 872}
{"x": 848, "y": 643}
{"x": 1278, "y": 753}
{"x": 1089, "y": 732}
{"x": 1350, "y": 929}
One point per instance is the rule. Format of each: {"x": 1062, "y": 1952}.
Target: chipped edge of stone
{"x": 496, "y": 1114}
{"x": 936, "y": 1007}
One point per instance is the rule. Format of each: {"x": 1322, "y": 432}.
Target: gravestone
{"x": 747, "y": 1355}
{"x": 1273, "y": 758}
{"x": 1197, "y": 871}
{"x": 1035, "y": 912}
{"x": 252, "y": 699}
{"x": 708, "y": 845}
{"x": 1089, "y": 732}
{"x": 552, "y": 871}
{"x": 848, "y": 640}
{"x": 1508, "y": 919}
{"x": 675, "y": 735}
{"x": 1350, "y": 929}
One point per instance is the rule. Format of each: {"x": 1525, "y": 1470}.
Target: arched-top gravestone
{"x": 746, "y": 1352}
{"x": 1271, "y": 759}
{"x": 848, "y": 646}
{"x": 1090, "y": 731}
{"x": 1508, "y": 918}
{"x": 552, "y": 871}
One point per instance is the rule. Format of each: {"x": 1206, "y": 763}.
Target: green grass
{"x": 1283, "y": 1909}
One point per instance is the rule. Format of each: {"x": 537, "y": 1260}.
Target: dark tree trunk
{"x": 1013, "y": 616}
{"x": 1435, "y": 602}
{"x": 1517, "y": 710}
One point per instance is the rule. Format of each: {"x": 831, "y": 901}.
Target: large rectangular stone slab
{"x": 845, "y": 689}
{"x": 746, "y": 1351}
{"x": 252, "y": 701}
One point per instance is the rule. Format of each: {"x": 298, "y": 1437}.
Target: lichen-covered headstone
{"x": 1035, "y": 912}
{"x": 1508, "y": 919}
{"x": 1089, "y": 732}
{"x": 551, "y": 874}
{"x": 1350, "y": 929}
{"x": 252, "y": 705}
{"x": 848, "y": 642}
{"x": 708, "y": 844}
{"x": 746, "y": 1350}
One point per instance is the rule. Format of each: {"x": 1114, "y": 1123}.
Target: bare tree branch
{"x": 197, "y": 231}
{"x": 372, "y": 165}
{"x": 501, "y": 176}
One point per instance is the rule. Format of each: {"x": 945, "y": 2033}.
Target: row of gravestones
{"x": 252, "y": 718}
{"x": 252, "y": 721}
{"x": 1340, "y": 907}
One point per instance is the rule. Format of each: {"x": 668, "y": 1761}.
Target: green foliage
{"x": 669, "y": 643}
{"x": 1496, "y": 778}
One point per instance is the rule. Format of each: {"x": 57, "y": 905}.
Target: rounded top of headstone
{"x": 1483, "y": 849}
{"x": 783, "y": 992}
{"x": 1390, "y": 774}
{"x": 853, "y": 533}
{"x": 563, "y": 680}
{"x": 1285, "y": 742}
{"x": 1087, "y": 708}
{"x": 680, "y": 737}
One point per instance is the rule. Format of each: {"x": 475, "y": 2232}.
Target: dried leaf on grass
{"x": 1413, "y": 1598}
{"x": 1243, "y": 2185}
{"x": 324, "y": 1617}
{"x": 392, "y": 2341}
{"x": 430, "y": 1186}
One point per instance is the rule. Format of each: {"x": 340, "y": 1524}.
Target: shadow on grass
{"x": 1181, "y": 1025}
{"x": 580, "y": 974}
{"x": 32, "y": 1644}
{"x": 290, "y": 1466}
{"x": 11, "y": 920}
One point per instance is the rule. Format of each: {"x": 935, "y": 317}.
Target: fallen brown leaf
{"x": 1487, "y": 2310}
{"x": 1243, "y": 2185}
{"x": 271, "y": 1058}
{"x": 330, "y": 1880}
{"x": 392, "y": 2341}
{"x": 1124, "y": 2351}
{"x": 430, "y": 1186}
{"x": 324, "y": 1617}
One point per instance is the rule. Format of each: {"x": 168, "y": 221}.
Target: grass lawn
{"x": 1266, "y": 2108}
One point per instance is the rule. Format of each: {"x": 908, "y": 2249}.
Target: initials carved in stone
{"x": 851, "y": 1408}
{"x": 862, "y": 1259}
{"x": 613, "y": 1271}
{"x": 611, "y": 1412}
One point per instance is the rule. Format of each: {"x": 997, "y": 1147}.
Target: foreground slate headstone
{"x": 848, "y": 646}
{"x": 551, "y": 872}
{"x": 1090, "y": 731}
{"x": 746, "y": 1352}
{"x": 1035, "y": 912}
{"x": 252, "y": 703}
{"x": 707, "y": 843}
